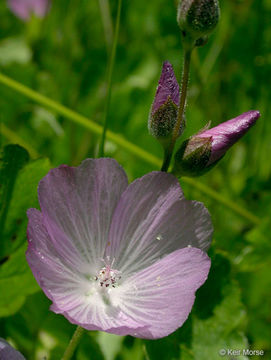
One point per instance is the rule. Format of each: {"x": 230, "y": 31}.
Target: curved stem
{"x": 109, "y": 79}
{"x": 77, "y": 335}
{"x": 180, "y": 124}
{"x": 79, "y": 120}
{"x": 120, "y": 141}
{"x": 222, "y": 200}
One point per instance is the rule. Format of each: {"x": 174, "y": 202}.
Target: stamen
{"x": 108, "y": 277}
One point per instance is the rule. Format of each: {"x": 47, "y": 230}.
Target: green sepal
{"x": 197, "y": 19}
{"x": 192, "y": 157}
{"x": 162, "y": 122}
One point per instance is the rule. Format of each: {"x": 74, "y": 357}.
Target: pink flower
{"x": 126, "y": 259}
{"x": 25, "y": 8}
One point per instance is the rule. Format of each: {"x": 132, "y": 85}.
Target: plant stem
{"x": 180, "y": 119}
{"x": 222, "y": 200}
{"x": 107, "y": 23}
{"x": 79, "y": 120}
{"x": 73, "y": 343}
{"x": 118, "y": 140}
{"x": 109, "y": 79}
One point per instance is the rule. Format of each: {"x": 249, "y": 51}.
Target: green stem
{"x": 107, "y": 23}
{"x": 109, "y": 79}
{"x": 77, "y": 335}
{"x": 118, "y": 140}
{"x": 80, "y": 120}
{"x": 180, "y": 119}
{"x": 221, "y": 199}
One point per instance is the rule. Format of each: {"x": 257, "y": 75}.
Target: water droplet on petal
{"x": 159, "y": 237}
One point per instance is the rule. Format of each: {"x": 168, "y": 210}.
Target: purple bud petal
{"x": 25, "y": 8}
{"x": 226, "y": 134}
{"x": 200, "y": 153}
{"x": 168, "y": 87}
{"x": 164, "y": 111}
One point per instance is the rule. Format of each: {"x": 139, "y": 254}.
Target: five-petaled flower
{"x": 126, "y": 259}
{"x": 25, "y": 8}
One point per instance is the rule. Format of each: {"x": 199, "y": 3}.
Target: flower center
{"x": 108, "y": 277}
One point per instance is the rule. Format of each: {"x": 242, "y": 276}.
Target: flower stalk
{"x": 77, "y": 335}
{"x": 180, "y": 120}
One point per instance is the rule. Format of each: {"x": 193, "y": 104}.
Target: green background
{"x": 64, "y": 57}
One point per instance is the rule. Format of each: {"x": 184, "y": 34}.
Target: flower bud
{"x": 164, "y": 111}
{"x": 202, "y": 151}
{"x": 197, "y": 19}
{"x": 25, "y": 8}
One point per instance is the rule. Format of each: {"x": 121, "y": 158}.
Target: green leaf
{"x": 16, "y": 281}
{"x": 19, "y": 180}
{"x": 13, "y": 159}
{"x": 257, "y": 252}
{"x": 168, "y": 348}
{"x": 222, "y": 330}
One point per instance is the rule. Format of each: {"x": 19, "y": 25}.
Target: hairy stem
{"x": 77, "y": 335}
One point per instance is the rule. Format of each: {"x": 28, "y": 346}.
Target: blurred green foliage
{"x": 64, "y": 57}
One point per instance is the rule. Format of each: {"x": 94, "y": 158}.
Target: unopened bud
{"x": 202, "y": 151}
{"x": 164, "y": 111}
{"x": 197, "y": 19}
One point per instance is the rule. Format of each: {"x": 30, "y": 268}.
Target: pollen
{"x": 108, "y": 277}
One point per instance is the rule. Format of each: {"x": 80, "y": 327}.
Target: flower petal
{"x": 75, "y": 295}
{"x": 7, "y": 352}
{"x": 163, "y": 294}
{"x": 168, "y": 87}
{"x": 52, "y": 273}
{"x": 24, "y": 8}
{"x": 153, "y": 219}
{"x": 228, "y": 133}
{"x": 77, "y": 206}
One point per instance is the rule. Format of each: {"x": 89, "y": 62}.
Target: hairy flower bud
{"x": 164, "y": 111}
{"x": 197, "y": 19}
{"x": 202, "y": 151}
